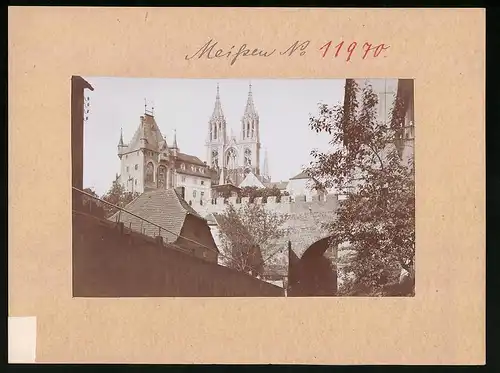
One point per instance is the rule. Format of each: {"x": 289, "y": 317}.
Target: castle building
{"x": 147, "y": 162}
{"x": 234, "y": 157}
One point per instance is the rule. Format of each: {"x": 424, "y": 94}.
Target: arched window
{"x": 248, "y": 158}
{"x": 215, "y": 131}
{"x": 149, "y": 173}
{"x": 231, "y": 159}
{"x": 162, "y": 177}
{"x": 183, "y": 166}
{"x": 215, "y": 158}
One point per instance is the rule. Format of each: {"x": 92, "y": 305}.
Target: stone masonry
{"x": 306, "y": 216}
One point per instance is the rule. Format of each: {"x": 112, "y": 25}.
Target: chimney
{"x": 181, "y": 191}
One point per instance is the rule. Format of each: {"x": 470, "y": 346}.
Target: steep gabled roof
{"x": 164, "y": 207}
{"x": 148, "y": 130}
{"x": 252, "y": 181}
{"x": 302, "y": 175}
{"x": 190, "y": 159}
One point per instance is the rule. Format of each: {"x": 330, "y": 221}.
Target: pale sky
{"x": 186, "y": 105}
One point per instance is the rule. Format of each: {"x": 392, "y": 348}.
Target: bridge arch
{"x": 315, "y": 273}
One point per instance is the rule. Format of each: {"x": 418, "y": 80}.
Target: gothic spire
{"x": 120, "y": 143}
{"x": 250, "y": 110}
{"x": 217, "y": 114}
{"x": 174, "y": 145}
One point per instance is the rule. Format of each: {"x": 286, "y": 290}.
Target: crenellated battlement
{"x": 283, "y": 204}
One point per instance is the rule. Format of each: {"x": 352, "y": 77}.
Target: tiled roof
{"x": 302, "y": 175}
{"x": 193, "y": 173}
{"x": 148, "y": 130}
{"x": 164, "y": 207}
{"x": 190, "y": 159}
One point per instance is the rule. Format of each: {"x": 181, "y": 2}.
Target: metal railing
{"x": 84, "y": 202}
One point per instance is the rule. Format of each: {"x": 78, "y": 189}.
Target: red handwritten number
{"x": 367, "y": 47}
{"x": 351, "y": 49}
{"x": 338, "y": 46}
{"x": 327, "y": 45}
{"x": 379, "y": 49}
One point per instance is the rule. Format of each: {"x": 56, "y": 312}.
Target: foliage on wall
{"x": 378, "y": 217}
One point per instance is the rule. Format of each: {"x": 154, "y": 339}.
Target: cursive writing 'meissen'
{"x": 210, "y": 51}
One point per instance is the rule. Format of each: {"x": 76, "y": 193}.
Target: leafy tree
{"x": 118, "y": 196}
{"x": 90, "y": 203}
{"x": 377, "y": 218}
{"x": 248, "y": 236}
{"x": 254, "y": 192}
{"x": 91, "y": 191}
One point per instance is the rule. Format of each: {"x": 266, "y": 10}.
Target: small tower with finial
{"x": 121, "y": 145}
{"x": 175, "y": 148}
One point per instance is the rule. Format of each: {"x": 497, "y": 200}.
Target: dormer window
{"x": 183, "y": 166}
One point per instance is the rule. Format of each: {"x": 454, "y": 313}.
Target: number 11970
{"x": 341, "y": 49}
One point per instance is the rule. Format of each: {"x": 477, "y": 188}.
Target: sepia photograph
{"x": 242, "y": 187}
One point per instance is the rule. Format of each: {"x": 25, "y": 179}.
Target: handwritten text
{"x": 211, "y": 50}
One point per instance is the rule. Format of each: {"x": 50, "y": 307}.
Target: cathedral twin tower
{"x": 233, "y": 157}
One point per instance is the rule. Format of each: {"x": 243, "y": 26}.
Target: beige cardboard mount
{"x": 442, "y": 49}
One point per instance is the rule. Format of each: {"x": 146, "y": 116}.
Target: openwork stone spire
{"x": 217, "y": 114}
{"x": 250, "y": 111}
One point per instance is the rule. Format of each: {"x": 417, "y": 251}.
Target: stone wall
{"x": 306, "y": 215}
{"x": 108, "y": 262}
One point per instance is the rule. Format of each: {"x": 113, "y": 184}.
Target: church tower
{"x": 217, "y": 137}
{"x": 249, "y": 144}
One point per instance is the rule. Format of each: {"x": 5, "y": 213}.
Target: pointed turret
{"x": 120, "y": 142}
{"x": 174, "y": 145}
{"x": 121, "y": 145}
{"x": 175, "y": 148}
{"x": 265, "y": 168}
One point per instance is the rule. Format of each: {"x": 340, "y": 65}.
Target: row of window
{"x": 136, "y": 167}
{"x": 231, "y": 158}
{"x": 193, "y": 168}
{"x": 126, "y": 155}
